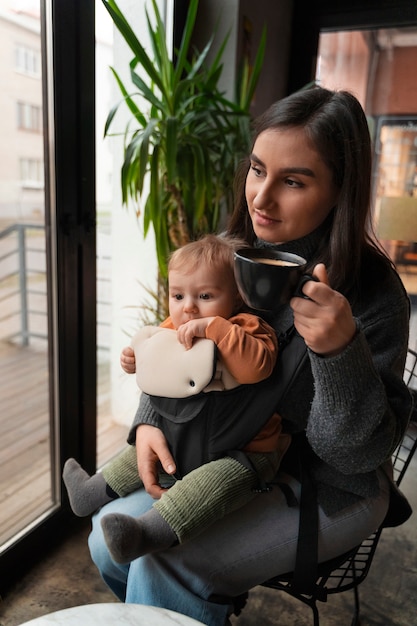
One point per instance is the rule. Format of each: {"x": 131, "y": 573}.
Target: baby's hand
{"x": 193, "y": 328}
{"x": 127, "y": 360}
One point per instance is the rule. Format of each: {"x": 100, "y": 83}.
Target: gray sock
{"x": 86, "y": 493}
{"x": 128, "y": 537}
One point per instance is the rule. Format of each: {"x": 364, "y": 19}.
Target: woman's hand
{"x": 151, "y": 448}
{"x": 325, "y": 321}
{"x": 127, "y": 360}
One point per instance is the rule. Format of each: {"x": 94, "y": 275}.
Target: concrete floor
{"x": 68, "y": 578}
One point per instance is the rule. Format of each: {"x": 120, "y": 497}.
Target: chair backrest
{"x": 410, "y": 371}
{"x": 405, "y": 451}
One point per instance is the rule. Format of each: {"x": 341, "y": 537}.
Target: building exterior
{"x": 21, "y": 124}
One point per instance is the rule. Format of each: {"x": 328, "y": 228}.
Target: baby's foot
{"x": 86, "y": 493}
{"x": 129, "y": 538}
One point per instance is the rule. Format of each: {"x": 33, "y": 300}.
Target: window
{"x": 31, "y": 173}
{"x": 29, "y": 117}
{"x": 376, "y": 66}
{"x": 396, "y": 152}
{"x": 27, "y": 61}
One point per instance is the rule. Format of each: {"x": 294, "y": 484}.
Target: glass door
{"x": 28, "y": 488}
{"x": 47, "y": 269}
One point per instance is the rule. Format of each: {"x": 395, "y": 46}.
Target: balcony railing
{"x": 23, "y": 287}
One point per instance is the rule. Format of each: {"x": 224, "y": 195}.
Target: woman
{"x": 305, "y": 189}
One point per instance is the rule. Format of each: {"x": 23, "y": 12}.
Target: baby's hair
{"x": 213, "y": 251}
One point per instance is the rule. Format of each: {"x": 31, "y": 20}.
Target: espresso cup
{"x": 267, "y": 279}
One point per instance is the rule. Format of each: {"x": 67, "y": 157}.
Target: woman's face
{"x": 289, "y": 189}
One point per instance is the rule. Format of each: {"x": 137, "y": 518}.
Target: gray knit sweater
{"x": 353, "y": 407}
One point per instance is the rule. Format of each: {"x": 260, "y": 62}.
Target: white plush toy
{"x": 165, "y": 368}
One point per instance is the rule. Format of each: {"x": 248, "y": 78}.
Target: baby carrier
{"x": 211, "y": 425}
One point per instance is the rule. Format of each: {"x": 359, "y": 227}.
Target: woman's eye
{"x": 256, "y": 170}
{"x": 293, "y": 183}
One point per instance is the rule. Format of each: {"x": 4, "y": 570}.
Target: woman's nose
{"x": 265, "y": 198}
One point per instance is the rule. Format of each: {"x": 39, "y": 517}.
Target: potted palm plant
{"x": 183, "y": 133}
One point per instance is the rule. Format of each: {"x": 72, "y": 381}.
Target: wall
{"x": 216, "y": 16}
{"x": 219, "y": 18}
{"x": 277, "y": 16}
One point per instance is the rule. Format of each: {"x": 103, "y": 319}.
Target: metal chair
{"x": 349, "y": 570}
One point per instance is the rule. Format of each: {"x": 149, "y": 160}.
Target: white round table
{"x": 112, "y": 613}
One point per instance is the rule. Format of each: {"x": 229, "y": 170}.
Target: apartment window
{"x": 31, "y": 173}
{"x": 29, "y": 117}
{"x": 27, "y": 61}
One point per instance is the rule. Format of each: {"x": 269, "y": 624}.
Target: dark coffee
{"x": 274, "y": 262}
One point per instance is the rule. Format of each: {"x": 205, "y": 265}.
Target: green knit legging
{"x": 203, "y": 496}
{"x": 121, "y": 474}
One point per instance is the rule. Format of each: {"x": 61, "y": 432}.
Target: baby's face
{"x": 201, "y": 293}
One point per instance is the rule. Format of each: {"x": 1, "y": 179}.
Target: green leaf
{"x": 171, "y": 142}
{"x": 110, "y": 118}
{"x": 200, "y": 176}
{"x": 129, "y": 101}
{"x": 153, "y": 204}
{"x": 146, "y": 91}
{"x": 144, "y": 153}
{"x": 160, "y": 50}
{"x": 256, "y": 70}
{"x": 129, "y": 36}
{"x": 183, "y": 51}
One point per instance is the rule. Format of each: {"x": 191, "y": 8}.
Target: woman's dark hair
{"x": 336, "y": 126}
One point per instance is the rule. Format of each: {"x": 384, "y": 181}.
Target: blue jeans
{"x": 199, "y": 577}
